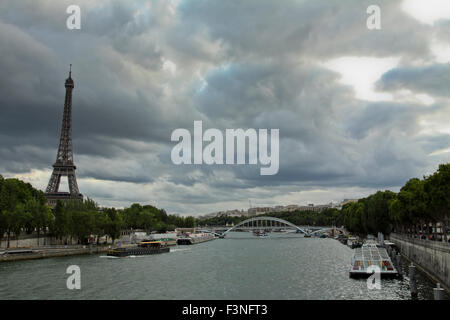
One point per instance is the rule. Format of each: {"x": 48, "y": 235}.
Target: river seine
{"x": 282, "y": 266}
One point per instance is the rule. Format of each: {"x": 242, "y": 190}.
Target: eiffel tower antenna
{"x": 64, "y": 165}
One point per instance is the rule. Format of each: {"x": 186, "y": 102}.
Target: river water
{"x": 282, "y": 266}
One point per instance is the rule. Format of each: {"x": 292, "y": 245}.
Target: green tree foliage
{"x": 377, "y": 212}
{"x": 18, "y": 203}
{"x": 410, "y": 206}
{"x": 62, "y": 225}
{"x": 149, "y": 218}
{"x": 39, "y": 217}
{"x": 219, "y": 221}
{"x": 354, "y": 217}
{"x": 437, "y": 187}
{"x": 80, "y": 219}
{"x": 419, "y": 203}
{"x": 114, "y": 223}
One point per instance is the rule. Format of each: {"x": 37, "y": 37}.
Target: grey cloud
{"x": 433, "y": 79}
{"x": 260, "y": 61}
{"x": 384, "y": 118}
{"x": 311, "y": 28}
{"x": 443, "y": 30}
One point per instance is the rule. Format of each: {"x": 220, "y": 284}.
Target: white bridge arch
{"x": 265, "y": 222}
{"x": 254, "y": 222}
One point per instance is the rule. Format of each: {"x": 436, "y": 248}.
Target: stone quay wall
{"x": 432, "y": 256}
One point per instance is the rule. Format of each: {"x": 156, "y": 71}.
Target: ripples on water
{"x": 283, "y": 266}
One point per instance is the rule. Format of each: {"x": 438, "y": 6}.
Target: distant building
{"x": 345, "y": 201}
{"x": 251, "y": 212}
{"x": 181, "y": 231}
{"x": 258, "y": 211}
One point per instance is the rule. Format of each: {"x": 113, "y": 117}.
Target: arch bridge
{"x": 270, "y": 223}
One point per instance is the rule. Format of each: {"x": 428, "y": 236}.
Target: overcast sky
{"x": 358, "y": 110}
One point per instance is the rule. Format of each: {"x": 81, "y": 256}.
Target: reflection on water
{"x": 282, "y": 266}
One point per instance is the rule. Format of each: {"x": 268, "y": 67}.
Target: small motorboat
{"x": 260, "y": 233}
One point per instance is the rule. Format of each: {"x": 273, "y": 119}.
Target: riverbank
{"x": 59, "y": 251}
{"x": 40, "y": 253}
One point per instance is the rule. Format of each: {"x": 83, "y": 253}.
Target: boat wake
{"x": 178, "y": 250}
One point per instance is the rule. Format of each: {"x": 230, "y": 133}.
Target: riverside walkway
{"x": 48, "y": 252}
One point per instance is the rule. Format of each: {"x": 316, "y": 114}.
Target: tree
{"x": 409, "y": 209}
{"x": 2, "y": 214}
{"x": 32, "y": 207}
{"x": 437, "y": 187}
{"x": 3, "y": 226}
{"x": 378, "y": 218}
{"x": 19, "y": 218}
{"x": 62, "y": 225}
{"x": 114, "y": 224}
{"x": 353, "y": 215}
{"x": 14, "y": 194}
{"x": 100, "y": 221}
{"x": 189, "y": 222}
{"x": 82, "y": 225}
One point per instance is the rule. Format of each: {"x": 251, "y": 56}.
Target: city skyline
{"x": 358, "y": 110}
{"x": 254, "y": 211}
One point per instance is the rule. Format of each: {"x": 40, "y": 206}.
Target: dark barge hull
{"x": 190, "y": 241}
{"x": 362, "y": 275}
{"x": 138, "y": 251}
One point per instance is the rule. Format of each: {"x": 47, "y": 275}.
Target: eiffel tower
{"x": 64, "y": 165}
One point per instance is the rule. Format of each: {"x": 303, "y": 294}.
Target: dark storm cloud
{"x": 291, "y": 95}
{"x": 320, "y": 126}
{"x": 264, "y": 28}
{"x": 384, "y": 118}
{"x": 433, "y": 79}
{"x": 143, "y": 69}
{"x": 106, "y": 105}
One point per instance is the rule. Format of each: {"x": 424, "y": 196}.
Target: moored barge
{"x": 143, "y": 248}
{"x": 371, "y": 254}
{"x": 195, "y": 238}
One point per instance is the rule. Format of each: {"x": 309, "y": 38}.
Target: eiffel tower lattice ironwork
{"x": 64, "y": 165}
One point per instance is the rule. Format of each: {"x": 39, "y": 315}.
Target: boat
{"x": 145, "y": 247}
{"x": 351, "y": 241}
{"x": 218, "y": 235}
{"x": 356, "y": 244}
{"x": 260, "y": 233}
{"x": 168, "y": 238}
{"x": 18, "y": 252}
{"x": 194, "y": 238}
{"x": 371, "y": 254}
